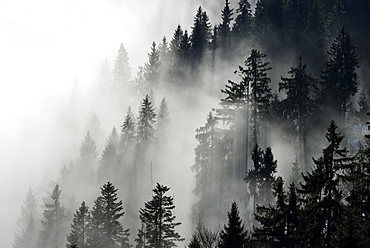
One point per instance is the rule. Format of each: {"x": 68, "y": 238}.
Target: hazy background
{"x": 44, "y": 47}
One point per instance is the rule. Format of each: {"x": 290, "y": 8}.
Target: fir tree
{"x": 79, "y": 227}
{"x": 200, "y": 37}
{"x": 321, "y": 189}
{"x": 53, "y": 223}
{"x": 339, "y": 76}
{"x": 157, "y": 219}
{"x": 225, "y": 29}
{"x": 122, "y": 70}
{"x": 147, "y": 118}
{"x": 298, "y": 106}
{"x": 242, "y": 28}
{"x": 152, "y": 68}
{"x": 128, "y": 132}
{"x": 26, "y": 231}
{"x": 233, "y": 234}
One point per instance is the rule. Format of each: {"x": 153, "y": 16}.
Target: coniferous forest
{"x": 291, "y": 79}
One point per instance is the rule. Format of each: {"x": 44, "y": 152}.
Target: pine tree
{"x": 157, "y": 219}
{"x": 79, "y": 227}
{"x": 255, "y": 73}
{"x": 163, "y": 123}
{"x": 242, "y": 28}
{"x": 26, "y": 231}
{"x": 128, "y": 132}
{"x": 112, "y": 212}
{"x": 321, "y": 189}
{"x": 122, "y": 70}
{"x": 298, "y": 105}
{"x": 54, "y": 221}
{"x": 152, "y": 68}
{"x": 109, "y": 161}
{"x": 200, "y": 37}
{"x": 233, "y": 234}
{"x": 225, "y": 30}
{"x": 95, "y": 236}
{"x": 339, "y": 76}
{"x": 88, "y": 155}
{"x": 147, "y": 118}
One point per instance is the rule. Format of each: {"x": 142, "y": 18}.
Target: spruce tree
{"x": 200, "y": 37}
{"x": 53, "y": 222}
{"x": 128, "y": 132}
{"x": 26, "y": 231}
{"x": 79, "y": 227}
{"x": 322, "y": 192}
{"x": 242, "y": 28}
{"x": 152, "y": 68}
{"x": 122, "y": 70}
{"x": 233, "y": 234}
{"x": 147, "y": 119}
{"x": 225, "y": 30}
{"x": 112, "y": 212}
{"x": 158, "y": 221}
{"x": 95, "y": 236}
{"x": 298, "y": 106}
{"x": 339, "y": 77}
{"x": 255, "y": 73}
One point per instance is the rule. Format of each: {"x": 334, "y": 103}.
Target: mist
{"x": 54, "y": 93}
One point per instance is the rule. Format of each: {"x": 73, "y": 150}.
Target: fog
{"x": 51, "y": 60}
{"x": 44, "y": 46}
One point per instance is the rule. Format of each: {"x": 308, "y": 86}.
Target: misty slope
{"x": 217, "y": 112}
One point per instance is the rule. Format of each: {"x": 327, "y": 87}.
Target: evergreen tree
{"x": 112, "y": 212}
{"x": 145, "y": 125}
{"x": 163, "y": 123}
{"x": 298, "y": 106}
{"x": 225, "y": 30}
{"x": 95, "y": 236}
{"x": 207, "y": 171}
{"x": 200, "y": 37}
{"x": 53, "y": 223}
{"x": 242, "y": 28}
{"x": 164, "y": 58}
{"x": 255, "y": 73}
{"x": 122, "y": 70}
{"x": 26, "y": 231}
{"x": 88, "y": 155}
{"x": 79, "y": 227}
{"x": 109, "y": 160}
{"x": 233, "y": 234}
{"x": 158, "y": 221}
{"x": 128, "y": 132}
{"x": 152, "y": 68}
{"x": 322, "y": 192}
{"x": 339, "y": 76}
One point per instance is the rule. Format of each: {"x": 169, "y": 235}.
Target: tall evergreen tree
{"x": 152, "y": 68}
{"x": 159, "y": 223}
{"x": 233, "y": 234}
{"x": 128, "y": 132}
{"x": 200, "y": 37}
{"x": 122, "y": 70}
{"x": 54, "y": 221}
{"x": 225, "y": 30}
{"x": 298, "y": 105}
{"x": 95, "y": 236}
{"x": 26, "y": 232}
{"x": 242, "y": 28}
{"x": 79, "y": 227}
{"x": 147, "y": 118}
{"x": 339, "y": 76}
{"x": 322, "y": 192}
{"x": 255, "y": 73}
{"x": 163, "y": 123}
